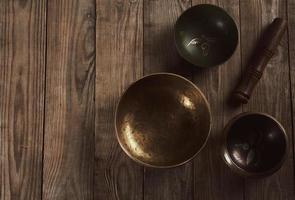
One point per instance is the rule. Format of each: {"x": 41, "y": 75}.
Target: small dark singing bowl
{"x": 255, "y": 145}
{"x": 162, "y": 120}
{"x": 205, "y": 35}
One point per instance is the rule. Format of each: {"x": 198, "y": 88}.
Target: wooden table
{"x": 64, "y": 65}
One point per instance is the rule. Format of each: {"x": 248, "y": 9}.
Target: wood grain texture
{"x": 213, "y": 179}
{"x": 291, "y": 47}
{"x": 119, "y": 57}
{"x": 272, "y": 95}
{"x": 63, "y": 66}
{"x": 69, "y": 114}
{"x": 160, "y": 56}
{"x": 22, "y": 77}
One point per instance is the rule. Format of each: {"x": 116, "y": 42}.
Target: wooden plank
{"x": 160, "y": 56}
{"x": 119, "y": 56}
{"x": 22, "y": 78}
{"x": 69, "y": 114}
{"x": 213, "y": 179}
{"x": 291, "y": 45}
{"x": 272, "y": 95}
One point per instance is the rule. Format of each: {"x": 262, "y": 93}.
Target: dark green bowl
{"x": 205, "y": 35}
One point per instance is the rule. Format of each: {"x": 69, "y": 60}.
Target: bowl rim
{"x": 232, "y": 165}
{"x": 189, "y": 60}
{"x": 163, "y": 166}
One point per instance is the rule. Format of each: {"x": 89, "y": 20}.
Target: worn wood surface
{"x": 119, "y": 60}
{"x": 69, "y": 110}
{"x": 272, "y": 95}
{"x": 213, "y": 180}
{"x": 22, "y": 78}
{"x": 291, "y": 48}
{"x": 161, "y": 56}
{"x": 63, "y": 66}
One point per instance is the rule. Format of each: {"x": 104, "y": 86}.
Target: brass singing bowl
{"x": 255, "y": 145}
{"x": 162, "y": 120}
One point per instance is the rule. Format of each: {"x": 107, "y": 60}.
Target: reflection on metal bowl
{"x": 162, "y": 120}
{"x": 205, "y": 35}
{"x": 255, "y": 145}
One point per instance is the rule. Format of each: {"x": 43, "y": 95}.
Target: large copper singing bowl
{"x": 162, "y": 120}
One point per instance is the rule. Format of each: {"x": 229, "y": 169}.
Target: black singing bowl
{"x": 205, "y": 35}
{"x": 255, "y": 145}
{"x": 162, "y": 120}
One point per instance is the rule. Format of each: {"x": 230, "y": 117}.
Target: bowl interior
{"x": 162, "y": 120}
{"x": 256, "y": 143}
{"x": 205, "y": 35}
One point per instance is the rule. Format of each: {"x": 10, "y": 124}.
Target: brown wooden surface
{"x": 65, "y": 63}
{"x": 161, "y": 56}
{"x": 272, "y": 94}
{"x": 213, "y": 180}
{"x": 291, "y": 48}
{"x": 119, "y": 60}
{"x": 69, "y": 114}
{"x": 22, "y": 78}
